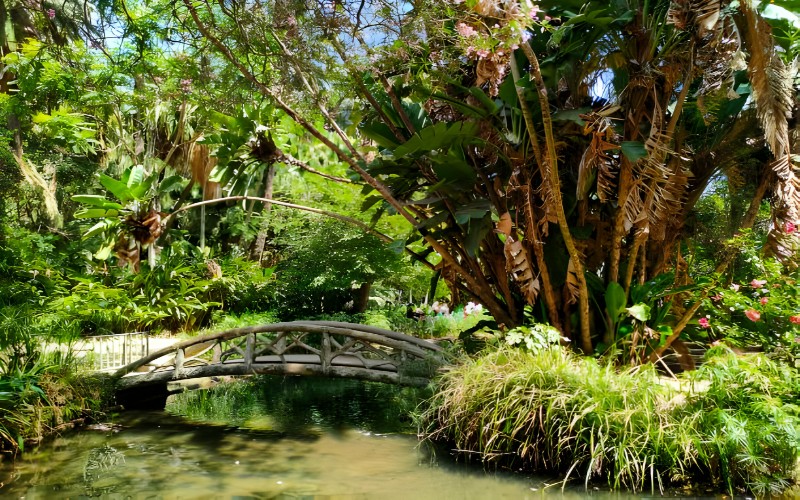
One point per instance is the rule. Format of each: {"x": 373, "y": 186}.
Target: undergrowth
{"x": 558, "y": 412}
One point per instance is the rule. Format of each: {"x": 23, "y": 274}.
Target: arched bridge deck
{"x": 311, "y": 348}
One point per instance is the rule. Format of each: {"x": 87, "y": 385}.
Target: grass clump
{"x": 557, "y": 412}
{"x": 746, "y": 422}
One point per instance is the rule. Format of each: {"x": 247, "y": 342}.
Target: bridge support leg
{"x": 153, "y": 397}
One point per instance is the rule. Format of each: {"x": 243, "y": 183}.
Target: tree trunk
{"x": 362, "y": 297}
{"x": 261, "y": 239}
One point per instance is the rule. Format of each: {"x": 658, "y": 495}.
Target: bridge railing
{"x": 318, "y": 347}
{"x": 111, "y": 352}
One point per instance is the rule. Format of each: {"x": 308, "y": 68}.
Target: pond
{"x": 264, "y": 438}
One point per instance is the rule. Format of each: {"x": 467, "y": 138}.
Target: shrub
{"x": 746, "y": 421}
{"x": 760, "y": 309}
{"x": 557, "y": 412}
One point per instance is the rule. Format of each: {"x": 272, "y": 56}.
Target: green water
{"x": 278, "y": 438}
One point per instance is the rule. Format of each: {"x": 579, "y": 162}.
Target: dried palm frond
{"x": 670, "y": 199}
{"x": 128, "y": 251}
{"x": 770, "y": 80}
{"x": 145, "y": 228}
{"x": 596, "y": 162}
{"x": 573, "y": 282}
{"x": 772, "y": 83}
{"x": 696, "y": 15}
{"x": 518, "y": 261}
{"x": 548, "y": 206}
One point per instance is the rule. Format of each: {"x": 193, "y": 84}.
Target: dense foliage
{"x": 619, "y": 177}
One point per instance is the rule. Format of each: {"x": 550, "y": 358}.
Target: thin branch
{"x": 291, "y": 160}
{"x": 334, "y": 215}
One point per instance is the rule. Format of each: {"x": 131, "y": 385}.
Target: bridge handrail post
{"x": 249, "y": 351}
{"x": 180, "y": 354}
{"x": 325, "y": 353}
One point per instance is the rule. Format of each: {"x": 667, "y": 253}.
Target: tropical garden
{"x": 597, "y": 190}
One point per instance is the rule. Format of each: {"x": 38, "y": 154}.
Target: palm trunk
{"x": 558, "y": 204}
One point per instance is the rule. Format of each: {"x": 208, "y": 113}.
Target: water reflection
{"x": 293, "y": 439}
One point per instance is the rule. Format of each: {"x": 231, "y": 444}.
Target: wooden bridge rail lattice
{"x": 316, "y": 348}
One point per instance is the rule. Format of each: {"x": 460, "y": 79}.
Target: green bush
{"x": 326, "y": 264}
{"x": 748, "y": 430}
{"x": 560, "y": 413}
{"x": 761, "y": 310}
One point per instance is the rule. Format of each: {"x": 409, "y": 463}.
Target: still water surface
{"x": 286, "y": 438}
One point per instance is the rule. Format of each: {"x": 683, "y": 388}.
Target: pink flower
{"x": 795, "y": 319}
{"x": 764, "y": 300}
{"x": 466, "y": 30}
{"x": 752, "y": 315}
{"x": 704, "y": 323}
{"x": 735, "y": 287}
{"x": 758, "y": 283}
{"x": 716, "y": 298}
{"x": 51, "y": 13}
{"x": 789, "y": 227}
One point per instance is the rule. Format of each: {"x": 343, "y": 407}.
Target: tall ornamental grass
{"x": 558, "y": 412}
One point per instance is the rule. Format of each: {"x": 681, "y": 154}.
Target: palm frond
{"x": 770, "y": 81}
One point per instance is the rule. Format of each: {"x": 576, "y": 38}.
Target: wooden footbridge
{"x": 310, "y": 348}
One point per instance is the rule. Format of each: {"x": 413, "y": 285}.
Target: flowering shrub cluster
{"x": 764, "y": 312}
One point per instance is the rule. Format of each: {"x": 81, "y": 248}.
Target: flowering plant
{"x": 764, "y": 312}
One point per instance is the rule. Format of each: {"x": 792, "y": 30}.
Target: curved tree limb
{"x": 327, "y": 213}
{"x": 291, "y": 160}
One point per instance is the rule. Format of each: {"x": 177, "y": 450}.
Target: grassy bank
{"x": 557, "y": 412}
{"x": 37, "y": 400}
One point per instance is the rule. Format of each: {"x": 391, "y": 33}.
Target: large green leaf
{"x": 633, "y": 150}
{"x": 136, "y": 176}
{"x": 477, "y": 209}
{"x": 118, "y": 188}
{"x": 380, "y": 133}
{"x": 454, "y": 172}
{"x": 96, "y": 200}
{"x": 170, "y": 183}
{"x": 615, "y": 300}
{"x": 101, "y": 226}
{"x": 478, "y": 229}
{"x": 438, "y": 136}
{"x": 639, "y": 311}
{"x": 93, "y": 213}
